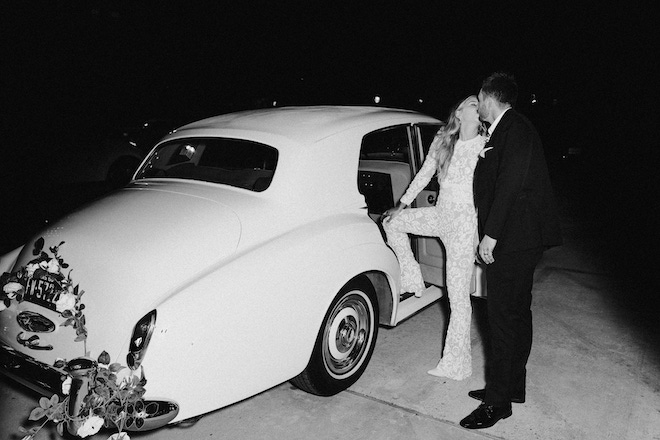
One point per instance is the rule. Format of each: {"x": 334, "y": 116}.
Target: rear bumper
{"x": 42, "y": 378}
{"x": 47, "y": 380}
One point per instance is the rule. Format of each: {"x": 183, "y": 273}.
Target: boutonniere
{"x": 483, "y": 151}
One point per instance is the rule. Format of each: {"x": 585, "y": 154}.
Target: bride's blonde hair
{"x": 447, "y": 137}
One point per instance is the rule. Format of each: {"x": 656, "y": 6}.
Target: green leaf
{"x": 59, "y": 411}
{"x": 60, "y": 429}
{"x": 37, "y": 413}
{"x": 80, "y": 338}
{"x": 54, "y": 400}
{"x": 44, "y": 402}
{"x": 116, "y": 367}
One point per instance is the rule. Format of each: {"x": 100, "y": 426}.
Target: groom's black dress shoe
{"x": 481, "y": 395}
{"x": 486, "y": 416}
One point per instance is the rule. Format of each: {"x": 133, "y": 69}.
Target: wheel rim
{"x": 348, "y": 333}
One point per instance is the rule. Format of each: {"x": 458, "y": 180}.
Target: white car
{"x": 245, "y": 252}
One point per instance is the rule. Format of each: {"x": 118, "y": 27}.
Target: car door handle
{"x": 431, "y": 199}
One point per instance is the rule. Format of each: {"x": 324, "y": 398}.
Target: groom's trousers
{"x": 509, "y": 282}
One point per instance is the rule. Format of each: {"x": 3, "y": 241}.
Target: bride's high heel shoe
{"x": 440, "y": 372}
{"x": 437, "y": 371}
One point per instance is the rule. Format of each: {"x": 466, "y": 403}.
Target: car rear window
{"x": 235, "y": 162}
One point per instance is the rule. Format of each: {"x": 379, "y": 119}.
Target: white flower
{"x": 119, "y": 436}
{"x": 483, "y": 152}
{"x": 91, "y": 426}
{"x": 66, "y": 386}
{"x": 66, "y": 301}
{"x": 53, "y": 266}
{"x": 2, "y": 306}
{"x": 12, "y": 289}
{"x": 31, "y": 268}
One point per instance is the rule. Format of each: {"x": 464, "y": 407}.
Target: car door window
{"x": 427, "y": 133}
{"x": 385, "y": 167}
{"x": 391, "y": 144}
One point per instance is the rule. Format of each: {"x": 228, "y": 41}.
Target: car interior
{"x": 384, "y": 169}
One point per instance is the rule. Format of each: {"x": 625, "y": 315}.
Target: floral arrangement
{"x": 15, "y": 286}
{"x": 107, "y": 394}
{"x": 113, "y": 399}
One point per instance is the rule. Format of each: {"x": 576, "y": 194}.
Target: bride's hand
{"x": 391, "y": 213}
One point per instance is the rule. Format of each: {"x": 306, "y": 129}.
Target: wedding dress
{"x": 454, "y": 220}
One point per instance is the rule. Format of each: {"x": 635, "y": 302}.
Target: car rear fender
{"x": 251, "y": 323}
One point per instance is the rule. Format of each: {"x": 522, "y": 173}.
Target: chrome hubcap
{"x": 346, "y": 333}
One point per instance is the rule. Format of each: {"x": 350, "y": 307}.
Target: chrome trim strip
{"x": 40, "y": 377}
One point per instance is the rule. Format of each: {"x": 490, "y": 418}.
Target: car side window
{"x": 391, "y": 144}
{"x": 385, "y": 167}
{"x": 427, "y": 133}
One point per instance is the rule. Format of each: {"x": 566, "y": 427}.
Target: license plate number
{"x": 42, "y": 292}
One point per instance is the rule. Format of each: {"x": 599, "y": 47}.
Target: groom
{"x": 517, "y": 221}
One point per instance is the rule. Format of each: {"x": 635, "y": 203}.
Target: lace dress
{"x": 454, "y": 220}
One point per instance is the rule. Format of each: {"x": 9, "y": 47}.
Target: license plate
{"x": 43, "y": 292}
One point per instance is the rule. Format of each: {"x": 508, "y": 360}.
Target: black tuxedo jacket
{"x": 513, "y": 194}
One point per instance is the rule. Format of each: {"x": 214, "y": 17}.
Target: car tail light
{"x": 140, "y": 340}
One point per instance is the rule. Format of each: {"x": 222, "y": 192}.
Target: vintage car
{"x": 245, "y": 252}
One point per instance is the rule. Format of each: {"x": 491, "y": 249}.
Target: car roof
{"x": 304, "y": 125}
{"x": 318, "y": 149}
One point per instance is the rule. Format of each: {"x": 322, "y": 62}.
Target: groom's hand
{"x": 486, "y": 248}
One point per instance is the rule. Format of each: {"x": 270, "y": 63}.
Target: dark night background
{"x": 79, "y": 70}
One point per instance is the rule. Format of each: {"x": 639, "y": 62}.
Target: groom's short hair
{"x": 502, "y": 86}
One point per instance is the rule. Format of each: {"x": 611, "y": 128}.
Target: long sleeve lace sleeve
{"x": 423, "y": 177}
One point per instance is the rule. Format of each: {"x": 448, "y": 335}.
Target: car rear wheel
{"x": 345, "y": 341}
